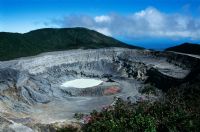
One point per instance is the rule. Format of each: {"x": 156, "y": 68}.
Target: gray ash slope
{"x": 31, "y": 92}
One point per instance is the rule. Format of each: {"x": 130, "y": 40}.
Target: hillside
{"x": 14, "y": 45}
{"x": 188, "y": 48}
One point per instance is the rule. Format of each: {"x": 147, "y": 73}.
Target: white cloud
{"x": 152, "y": 16}
{"x": 104, "y": 31}
{"x": 102, "y": 18}
{"x": 149, "y": 22}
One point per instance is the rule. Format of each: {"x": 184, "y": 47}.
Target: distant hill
{"x": 14, "y": 45}
{"x": 188, "y": 48}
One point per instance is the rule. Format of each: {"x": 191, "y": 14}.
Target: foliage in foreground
{"x": 143, "y": 116}
{"x": 177, "y": 112}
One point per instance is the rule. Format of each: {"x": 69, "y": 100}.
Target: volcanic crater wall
{"x": 37, "y": 79}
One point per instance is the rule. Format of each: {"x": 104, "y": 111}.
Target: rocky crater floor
{"x": 33, "y": 89}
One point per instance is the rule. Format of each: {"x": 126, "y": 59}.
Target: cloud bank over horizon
{"x": 149, "y": 22}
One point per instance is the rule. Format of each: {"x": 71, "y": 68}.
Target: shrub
{"x": 143, "y": 117}
{"x": 78, "y": 116}
{"x": 68, "y": 129}
{"x": 177, "y": 112}
{"x": 149, "y": 89}
{"x": 119, "y": 118}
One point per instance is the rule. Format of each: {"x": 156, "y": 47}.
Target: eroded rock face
{"x": 31, "y": 87}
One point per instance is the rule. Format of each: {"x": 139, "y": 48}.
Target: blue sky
{"x": 150, "y": 23}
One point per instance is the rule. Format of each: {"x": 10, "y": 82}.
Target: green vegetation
{"x": 149, "y": 89}
{"x": 78, "y": 116}
{"x": 14, "y": 45}
{"x": 178, "y": 111}
{"x": 122, "y": 117}
{"x": 188, "y": 48}
{"x": 143, "y": 117}
{"x": 68, "y": 129}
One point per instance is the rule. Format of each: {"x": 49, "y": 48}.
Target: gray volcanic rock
{"x": 30, "y": 87}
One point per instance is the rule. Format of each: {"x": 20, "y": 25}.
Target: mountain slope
{"x": 14, "y": 45}
{"x": 188, "y": 48}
